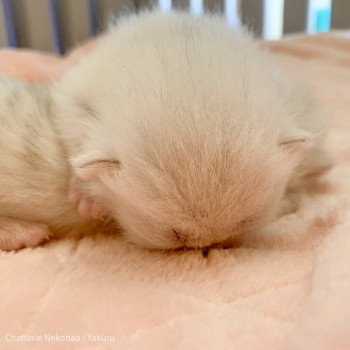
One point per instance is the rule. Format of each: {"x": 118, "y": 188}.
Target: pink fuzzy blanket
{"x": 287, "y": 287}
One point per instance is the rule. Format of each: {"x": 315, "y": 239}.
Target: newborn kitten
{"x": 185, "y": 131}
{"x": 34, "y": 170}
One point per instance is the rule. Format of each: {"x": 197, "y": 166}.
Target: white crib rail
{"x": 57, "y": 25}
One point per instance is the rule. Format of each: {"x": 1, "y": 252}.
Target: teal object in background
{"x": 323, "y": 20}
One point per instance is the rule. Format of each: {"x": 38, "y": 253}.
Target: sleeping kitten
{"x": 185, "y": 131}
{"x": 34, "y": 169}
{"x": 178, "y": 127}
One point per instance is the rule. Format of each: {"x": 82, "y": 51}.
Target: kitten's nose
{"x": 188, "y": 240}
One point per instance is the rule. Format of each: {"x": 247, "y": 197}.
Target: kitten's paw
{"x": 87, "y": 207}
{"x": 17, "y": 234}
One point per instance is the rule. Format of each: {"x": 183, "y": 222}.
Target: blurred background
{"x": 57, "y": 25}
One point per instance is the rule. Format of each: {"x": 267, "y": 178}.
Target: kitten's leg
{"x": 16, "y": 234}
{"x": 87, "y": 207}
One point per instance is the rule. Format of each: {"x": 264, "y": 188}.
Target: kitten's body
{"x": 34, "y": 169}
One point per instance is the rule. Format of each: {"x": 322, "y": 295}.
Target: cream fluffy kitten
{"x": 34, "y": 170}
{"x": 185, "y": 131}
{"x": 179, "y": 127}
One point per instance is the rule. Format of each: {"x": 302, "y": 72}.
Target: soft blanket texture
{"x": 287, "y": 287}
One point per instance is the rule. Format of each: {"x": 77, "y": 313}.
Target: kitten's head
{"x": 182, "y": 127}
{"x": 193, "y": 185}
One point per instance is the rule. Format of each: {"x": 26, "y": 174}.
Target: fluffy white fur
{"x": 34, "y": 169}
{"x": 184, "y": 130}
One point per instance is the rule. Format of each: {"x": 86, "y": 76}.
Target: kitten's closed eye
{"x": 95, "y": 168}
{"x": 297, "y": 141}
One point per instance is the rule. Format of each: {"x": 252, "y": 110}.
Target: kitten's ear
{"x": 89, "y": 167}
{"x": 297, "y": 141}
